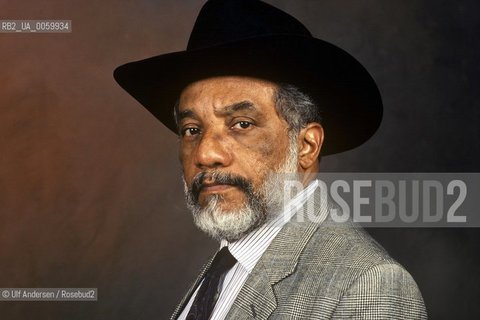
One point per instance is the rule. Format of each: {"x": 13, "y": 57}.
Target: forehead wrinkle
{"x": 238, "y": 106}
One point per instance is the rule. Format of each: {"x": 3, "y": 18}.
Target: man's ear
{"x": 310, "y": 144}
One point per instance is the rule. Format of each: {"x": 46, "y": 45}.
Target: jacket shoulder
{"x": 383, "y": 291}
{"x": 343, "y": 272}
{"x": 346, "y": 246}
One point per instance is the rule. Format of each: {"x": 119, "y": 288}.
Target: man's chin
{"x": 224, "y": 224}
{"x": 226, "y": 203}
{"x": 228, "y": 215}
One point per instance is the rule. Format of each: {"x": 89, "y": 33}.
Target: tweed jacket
{"x": 317, "y": 268}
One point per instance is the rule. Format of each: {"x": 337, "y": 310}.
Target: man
{"x": 253, "y": 94}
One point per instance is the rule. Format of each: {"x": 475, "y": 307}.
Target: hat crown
{"x": 223, "y": 21}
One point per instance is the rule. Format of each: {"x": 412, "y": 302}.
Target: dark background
{"x": 90, "y": 194}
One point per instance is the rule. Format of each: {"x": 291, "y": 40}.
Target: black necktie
{"x": 208, "y": 293}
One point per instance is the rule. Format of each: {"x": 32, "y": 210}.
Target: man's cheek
{"x": 186, "y": 154}
{"x": 265, "y": 147}
{"x": 188, "y": 173}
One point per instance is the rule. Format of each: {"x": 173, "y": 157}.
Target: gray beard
{"x": 262, "y": 205}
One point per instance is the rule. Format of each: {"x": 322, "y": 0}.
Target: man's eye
{"x": 242, "y": 125}
{"x": 190, "y": 132}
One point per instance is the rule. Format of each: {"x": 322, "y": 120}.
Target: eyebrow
{"x": 238, "y": 106}
{"x": 185, "y": 114}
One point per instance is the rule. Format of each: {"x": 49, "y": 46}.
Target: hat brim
{"x": 347, "y": 96}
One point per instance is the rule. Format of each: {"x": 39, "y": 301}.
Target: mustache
{"x": 217, "y": 177}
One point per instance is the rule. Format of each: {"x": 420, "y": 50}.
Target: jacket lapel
{"x": 256, "y": 299}
{"x": 178, "y": 310}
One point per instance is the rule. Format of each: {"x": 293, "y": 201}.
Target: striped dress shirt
{"x": 248, "y": 251}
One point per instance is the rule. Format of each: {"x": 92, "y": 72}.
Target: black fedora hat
{"x": 251, "y": 38}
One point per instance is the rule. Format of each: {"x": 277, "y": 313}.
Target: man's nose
{"x": 212, "y": 152}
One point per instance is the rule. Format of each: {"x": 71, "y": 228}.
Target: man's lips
{"x": 215, "y": 187}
